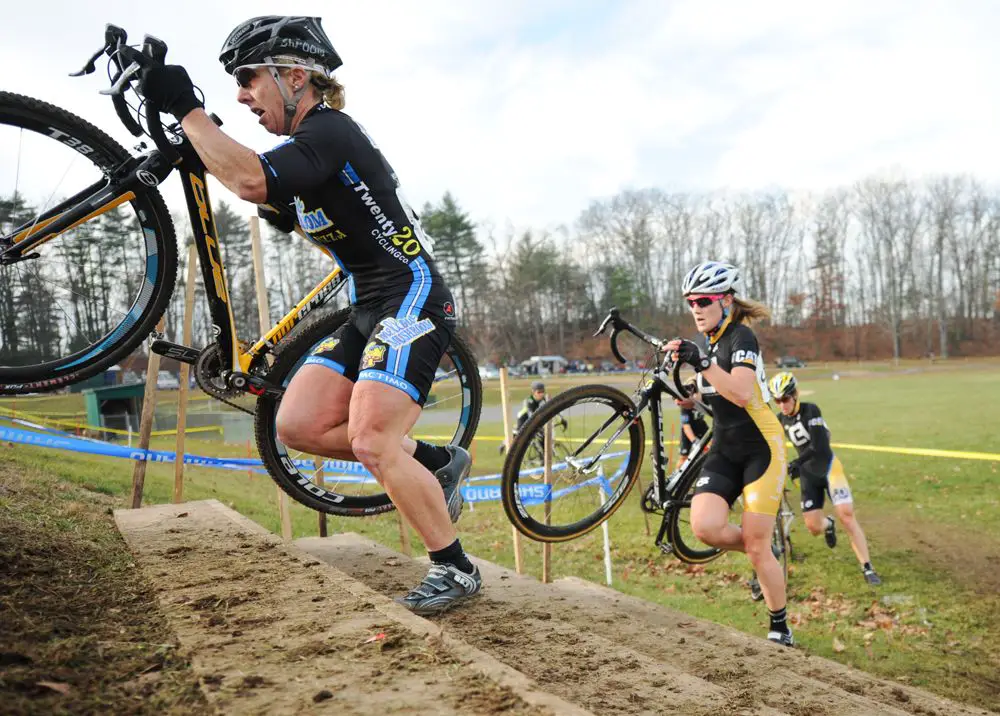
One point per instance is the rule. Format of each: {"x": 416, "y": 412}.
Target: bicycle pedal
{"x": 254, "y": 385}
{"x": 175, "y": 351}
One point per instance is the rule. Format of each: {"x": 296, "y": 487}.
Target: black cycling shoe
{"x": 781, "y": 637}
{"x": 830, "y": 532}
{"x": 871, "y": 576}
{"x": 756, "y": 593}
{"x": 450, "y": 477}
{"x": 444, "y": 587}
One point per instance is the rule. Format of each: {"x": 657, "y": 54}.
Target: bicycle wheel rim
{"x": 95, "y": 289}
{"x": 686, "y": 546}
{"x": 341, "y": 487}
{"x": 585, "y": 489}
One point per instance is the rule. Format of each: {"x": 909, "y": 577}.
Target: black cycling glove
{"x": 690, "y": 353}
{"x": 795, "y": 469}
{"x": 170, "y": 88}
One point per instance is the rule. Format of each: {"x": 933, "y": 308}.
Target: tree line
{"x": 888, "y": 266}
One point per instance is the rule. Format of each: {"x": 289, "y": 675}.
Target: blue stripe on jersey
{"x": 264, "y": 159}
{"x": 422, "y": 283}
{"x": 348, "y": 176}
{"x": 350, "y": 276}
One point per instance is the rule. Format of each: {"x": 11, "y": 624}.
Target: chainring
{"x": 208, "y": 374}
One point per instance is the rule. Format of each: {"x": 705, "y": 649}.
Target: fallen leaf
{"x": 56, "y": 686}
{"x": 838, "y": 645}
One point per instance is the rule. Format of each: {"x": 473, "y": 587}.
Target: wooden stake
{"x": 547, "y": 462}
{"x": 507, "y": 439}
{"x": 320, "y": 482}
{"x": 182, "y": 396}
{"x": 264, "y": 318}
{"x": 404, "y": 534}
{"x": 146, "y": 422}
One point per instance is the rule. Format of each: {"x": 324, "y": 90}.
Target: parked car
{"x": 165, "y": 380}
{"x": 489, "y": 371}
{"x": 790, "y": 362}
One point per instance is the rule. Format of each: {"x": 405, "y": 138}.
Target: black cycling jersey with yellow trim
{"x": 734, "y": 346}
{"x": 808, "y": 432}
{"x": 348, "y": 201}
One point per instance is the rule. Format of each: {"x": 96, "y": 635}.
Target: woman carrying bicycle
{"x": 820, "y": 472}
{"x": 747, "y": 456}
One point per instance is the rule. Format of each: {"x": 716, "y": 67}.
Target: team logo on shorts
{"x": 373, "y": 354}
{"x": 328, "y": 344}
{"x": 398, "y": 332}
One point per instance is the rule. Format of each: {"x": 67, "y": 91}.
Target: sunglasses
{"x": 244, "y": 75}
{"x": 704, "y": 301}
{"x": 786, "y": 399}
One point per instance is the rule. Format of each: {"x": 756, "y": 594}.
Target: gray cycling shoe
{"x": 450, "y": 478}
{"x": 781, "y": 637}
{"x": 444, "y": 587}
{"x": 756, "y": 593}
{"x": 871, "y": 576}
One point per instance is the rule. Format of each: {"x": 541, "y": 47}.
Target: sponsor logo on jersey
{"x": 449, "y": 310}
{"x": 328, "y": 344}
{"x": 744, "y": 357}
{"x": 373, "y": 354}
{"x": 702, "y": 481}
{"x": 311, "y": 221}
{"x": 398, "y": 332}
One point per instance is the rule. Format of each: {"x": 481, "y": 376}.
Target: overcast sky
{"x": 528, "y": 110}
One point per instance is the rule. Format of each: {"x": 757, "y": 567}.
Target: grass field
{"x": 932, "y": 523}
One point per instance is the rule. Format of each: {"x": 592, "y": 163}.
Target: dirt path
{"x": 272, "y": 631}
{"x": 612, "y": 653}
{"x": 80, "y": 632}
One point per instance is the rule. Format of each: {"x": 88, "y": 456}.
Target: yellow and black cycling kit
{"x": 747, "y": 456}
{"x": 820, "y": 471}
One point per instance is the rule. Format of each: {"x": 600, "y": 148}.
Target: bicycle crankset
{"x": 649, "y": 503}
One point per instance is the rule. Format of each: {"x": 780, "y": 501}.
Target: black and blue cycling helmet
{"x": 261, "y": 38}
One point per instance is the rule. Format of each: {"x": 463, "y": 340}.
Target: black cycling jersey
{"x": 748, "y": 449}
{"x": 696, "y": 419}
{"x": 810, "y": 435}
{"x": 528, "y": 408}
{"x": 348, "y": 200}
{"x": 735, "y": 345}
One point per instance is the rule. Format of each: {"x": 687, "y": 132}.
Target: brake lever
{"x": 123, "y": 79}
{"x": 90, "y": 67}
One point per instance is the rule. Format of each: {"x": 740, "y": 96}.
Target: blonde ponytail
{"x": 747, "y": 311}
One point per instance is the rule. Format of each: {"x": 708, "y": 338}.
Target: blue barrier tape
{"x": 531, "y": 494}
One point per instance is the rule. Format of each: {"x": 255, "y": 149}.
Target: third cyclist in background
{"x": 820, "y": 471}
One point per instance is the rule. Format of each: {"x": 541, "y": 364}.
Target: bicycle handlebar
{"x": 129, "y": 62}
{"x": 619, "y": 324}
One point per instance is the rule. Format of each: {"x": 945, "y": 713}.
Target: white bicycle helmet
{"x": 712, "y": 277}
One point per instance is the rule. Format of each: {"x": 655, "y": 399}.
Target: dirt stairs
{"x": 271, "y": 630}
{"x": 610, "y": 653}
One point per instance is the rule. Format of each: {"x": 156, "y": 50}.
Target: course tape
{"x": 344, "y": 471}
{"x": 920, "y": 452}
{"x": 8, "y": 413}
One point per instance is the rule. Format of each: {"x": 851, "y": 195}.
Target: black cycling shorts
{"x": 392, "y": 343}
{"x": 816, "y": 486}
{"x": 754, "y": 470}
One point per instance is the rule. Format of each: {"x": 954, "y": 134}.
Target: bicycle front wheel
{"x": 450, "y": 415}
{"x": 586, "y": 483}
{"x": 92, "y": 293}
